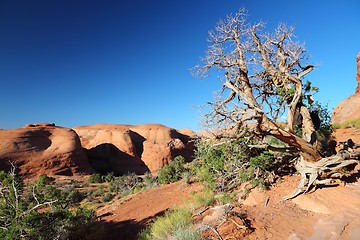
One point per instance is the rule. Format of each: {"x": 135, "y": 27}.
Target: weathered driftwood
{"x": 324, "y": 172}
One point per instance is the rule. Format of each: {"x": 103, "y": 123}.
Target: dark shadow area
{"x": 35, "y": 140}
{"x": 138, "y": 142}
{"x": 353, "y": 178}
{"x": 106, "y": 158}
{"x": 124, "y": 230}
{"x": 5, "y": 164}
{"x": 64, "y": 172}
{"x": 189, "y": 146}
{"x": 183, "y": 138}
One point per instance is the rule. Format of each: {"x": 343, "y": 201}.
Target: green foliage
{"x": 175, "y": 224}
{"x": 348, "y": 124}
{"x": 40, "y": 211}
{"x": 125, "y": 185}
{"x": 149, "y": 181}
{"x": 186, "y": 176}
{"x": 99, "y": 191}
{"x": 308, "y": 92}
{"x": 260, "y": 170}
{"x": 265, "y": 161}
{"x": 107, "y": 197}
{"x": 173, "y": 171}
{"x": 215, "y": 162}
{"x": 95, "y": 178}
{"x": 204, "y": 198}
{"x": 285, "y": 94}
{"x": 326, "y": 128}
{"x": 225, "y": 197}
{"x": 223, "y": 166}
{"x": 44, "y": 180}
{"x": 109, "y": 177}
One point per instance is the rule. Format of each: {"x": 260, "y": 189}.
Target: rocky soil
{"x": 327, "y": 213}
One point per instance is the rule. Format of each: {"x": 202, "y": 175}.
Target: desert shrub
{"x": 109, "y": 177}
{"x": 215, "y": 162}
{"x": 107, "y": 197}
{"x": 186, "y": 176}
{"x": 260, "y": 172}
{"x": 44, "y": 180}
{"x": 125, "y": 185}
{"x": 175, "y": 224}
{"x": 40, "y": 211}
{"x": 72, "y": 196}
{"x": 326, "y": 128}
{"x": 95, "y": 178}
{"x": 149, "y": 181}
{"x": 203, "y": 198}
{"x": 98, "y": 191}
{"x": 225, "y": 198}
{"x": 348, "y": 124}
{"x": 223, "y": 166}
{"x": 172, "y": 172}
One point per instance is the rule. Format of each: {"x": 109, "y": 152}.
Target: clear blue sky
{"x": 80, "y": 62}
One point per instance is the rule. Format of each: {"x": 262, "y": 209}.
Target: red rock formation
{"x": 43, "y": 148}
{"x": 124, "y": 148}
{"x": 349, "y": 108}
{"x": 358, "y": 73}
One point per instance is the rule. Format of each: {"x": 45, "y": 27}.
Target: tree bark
{"x": 306, "y": 149}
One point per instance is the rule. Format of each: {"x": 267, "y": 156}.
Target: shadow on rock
{"x": 106, "y": 158}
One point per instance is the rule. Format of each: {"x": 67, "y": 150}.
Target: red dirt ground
{"x": 126, "y": 218}
{"x": 327, "y": 213}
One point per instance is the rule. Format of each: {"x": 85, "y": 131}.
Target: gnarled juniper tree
{"x": 262, "y": 79}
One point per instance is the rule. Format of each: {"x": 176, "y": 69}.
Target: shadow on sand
{"x": 124, "y": 230}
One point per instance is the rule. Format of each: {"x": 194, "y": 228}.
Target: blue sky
{"x": 80, "y": 62}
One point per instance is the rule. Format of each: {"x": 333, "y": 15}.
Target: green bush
{"x": 40, "y": 211}
{"x": 172, "y": 172}
{"x": 149, "y": 181}
{"x": 348, "y": 124}
{"x": 175, "y": 224}
{"x": 107, "y": 197}
{"x": 204, "y": 198}
{"x": 125, "y": 185}
{"x": 109, "y": 177}
{"x": 216, "y": 162}
{"x": 224, "y": 165}
{"x": 95, "y": 178}
{"x": 99, "y": 191}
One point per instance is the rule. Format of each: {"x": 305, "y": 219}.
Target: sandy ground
{"x": 126, "y": 218}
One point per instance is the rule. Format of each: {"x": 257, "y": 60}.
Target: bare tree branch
{"x": 262, "y": 80}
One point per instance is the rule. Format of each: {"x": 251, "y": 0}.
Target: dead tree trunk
{"x": 262, "y": 77}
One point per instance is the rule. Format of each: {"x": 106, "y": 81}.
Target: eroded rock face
{"x": 349, "y": 109}
{"x": 43, "y": 148}
{"x": 123, "y": 148}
